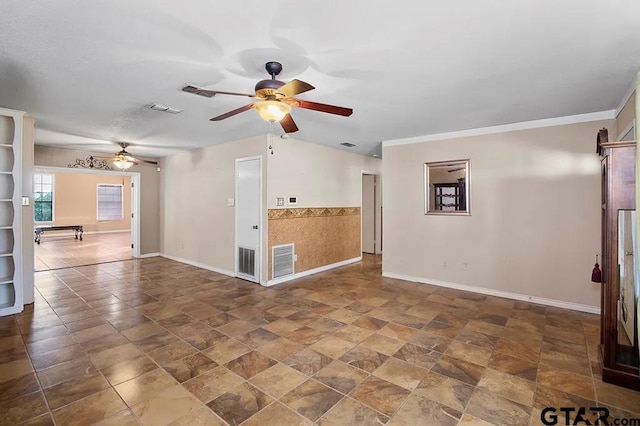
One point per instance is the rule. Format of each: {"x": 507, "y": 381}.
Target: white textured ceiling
{"x": 407, "y": 68}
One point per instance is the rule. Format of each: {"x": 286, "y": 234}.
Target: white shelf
{"x": 6, "y": 227}
{"x": 7, "y": 200}
{"x": 6, "y": 280}
{"x": 6, "y": 173}
{"x": 6, "y": 145}
{"x": 6, "y": 254}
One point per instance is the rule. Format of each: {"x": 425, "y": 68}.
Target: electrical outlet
{"x": 280, "y": 201}
{"x": 465, "y": 265}
{"x": 295, "y": 257}
{"x": 444, "y": 264}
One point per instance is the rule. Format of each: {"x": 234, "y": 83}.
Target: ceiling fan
{"x": 275, "y": 99}
{"x": 123, "y": 160}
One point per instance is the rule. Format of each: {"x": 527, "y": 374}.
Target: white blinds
{"x": 110, "y": 202}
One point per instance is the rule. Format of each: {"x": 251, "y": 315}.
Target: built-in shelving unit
{"x": 11, "y": 123}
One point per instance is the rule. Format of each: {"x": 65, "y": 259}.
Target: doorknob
{"x": 628, "y": 253}
{"x": 255, "y": 226}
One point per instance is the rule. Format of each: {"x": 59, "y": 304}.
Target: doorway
{"x": 104, "y": 203}
{"x": 371, "y": 213}
{"x": 248, "y": 214}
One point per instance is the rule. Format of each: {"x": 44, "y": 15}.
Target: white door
{"x": 368, "y": 213}
{"x": 248, "y": 217}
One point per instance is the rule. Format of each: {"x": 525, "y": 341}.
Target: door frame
{"x": 259, "y": 254}
{"x": 135, "y": 195}
{"x": 376, "y": 205}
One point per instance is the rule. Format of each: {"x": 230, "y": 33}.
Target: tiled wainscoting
{"x": 322, "y": 236}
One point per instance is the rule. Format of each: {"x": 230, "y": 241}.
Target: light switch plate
{"x": 231, "y": 202}
{"x": 280, "y": 201}
{"x": 26, "y": 201}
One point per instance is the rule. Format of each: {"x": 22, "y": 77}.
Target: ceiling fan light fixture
{"x": 272, "y": 110}
{"x": 122, "y": 162}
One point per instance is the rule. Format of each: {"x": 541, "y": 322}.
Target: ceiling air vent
{"x": 347, "y": 144}
{"x": 164, "y": 108}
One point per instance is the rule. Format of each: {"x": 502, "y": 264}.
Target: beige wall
{"x": 197, "y": 224}
{"x": 75, "y": 201}
{"x": 626, "y": 116}
{"x": 534, "y": 227}
{"x": 318, "y": 175}
{"x": 149, "y": 191}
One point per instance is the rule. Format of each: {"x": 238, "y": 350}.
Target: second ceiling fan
{"x": 275, "y": 99}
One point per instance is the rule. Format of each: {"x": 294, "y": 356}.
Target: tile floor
{"x": 158, "y": 342}
{"x": 58, "y": 250}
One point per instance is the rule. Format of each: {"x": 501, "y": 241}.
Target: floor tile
{"x": 190, "y": 367}
{"x": 351, "y": 412}
{"x": 172, "y": 352}
{"x": 226, "y": 351}
{"x": 277, "y": 414}
{"x": 401, "y": 373}
{"x": 23, "y": 408}
{"x": 166, "y": 406}
{"x": 515, "y": 366}
{"x": 341, "y": 377}
{"x": 463, "y": 371}
{"x": 332, "y": 346}
{"x": 278, "y": 380}
{"x": 212, "y": 384}
{"x": 65, "y": 371}
{"x": 497, "y": 410}
{"x": 427, "y": 411}
{"x": 469, "y": 353}
{"x": 383, "y": 396}
{"x": 417, "y": 355}
{"x": 507, "y": 386}
{"x": 75, "y": 389}
{"x": 239, "y": 403}
{"x": 445, "y": 391}
{"x": 250, "y": 364}
{"x": 91, "y": 410}
{"x": 18, "y": 386}
{"x": 200, "y": 416}
{"x": 144, "y": 387}
{"x": 364, "y": 358}
{"x": 128, "y": 369}
{"x": 311, "y": 399}
{"x": 616, "y": 396}
{"x": 308, "y": 361}
{"x": 567, "y": 381}
{"x": 383, "y": 344}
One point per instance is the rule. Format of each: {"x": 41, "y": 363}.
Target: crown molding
{"x": 523, "y": 125}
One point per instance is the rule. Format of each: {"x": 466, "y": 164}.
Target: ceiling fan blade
{"x": 294, "y": 87}
{"x": 211, "y": 93}
{"x": 232, "y": 113}
{"x": 140, "y": 160}
{"x": 288, "y": 125}
{"x": 331, "y": 109}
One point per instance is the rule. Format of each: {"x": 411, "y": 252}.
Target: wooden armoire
{"x": 619, "y": 341}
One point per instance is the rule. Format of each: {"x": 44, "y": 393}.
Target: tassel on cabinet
{"x": 596, "y": 274}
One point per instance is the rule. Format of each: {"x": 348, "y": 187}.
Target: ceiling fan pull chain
{"x": 270, "y": 136}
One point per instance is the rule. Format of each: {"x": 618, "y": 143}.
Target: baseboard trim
{"x": 499, "y": 293}
{"x": 312, "y": 271}
{"x": 199, "y": 265}
{"x": 146, "y": 255}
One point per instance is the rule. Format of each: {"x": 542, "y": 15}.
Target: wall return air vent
{"x": 348, "y": 144}
{"x": 282, "y": 260}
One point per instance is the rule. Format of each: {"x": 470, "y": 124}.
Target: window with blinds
{"x": 110, "y": 202}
